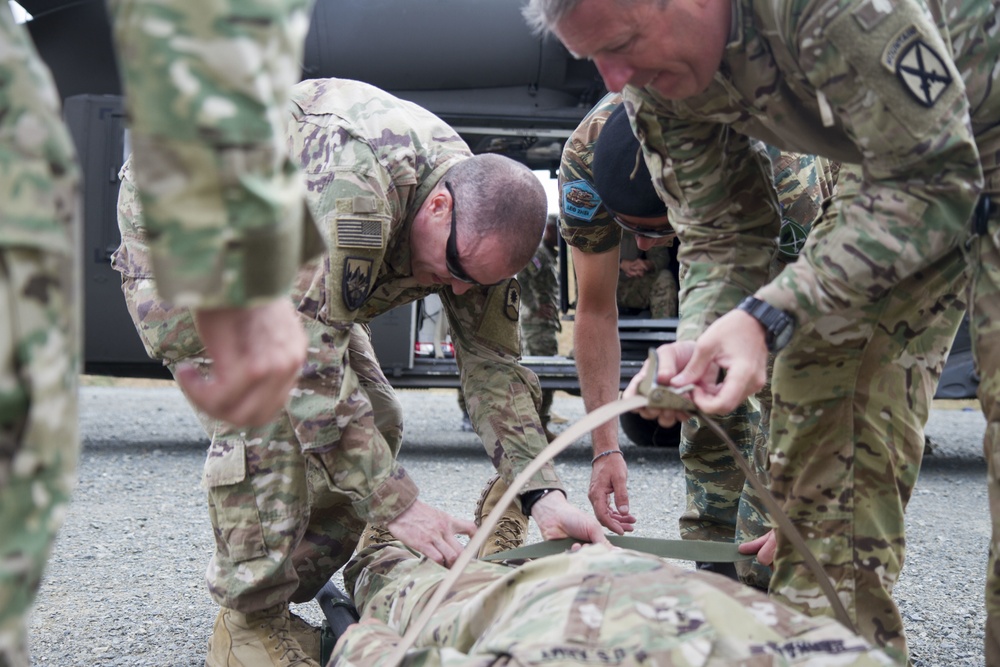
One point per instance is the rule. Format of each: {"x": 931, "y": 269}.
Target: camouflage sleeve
{"x": 718, "y": 187}
{"x": 887, "y": 78}
{"x": 539, "y": 282}
{"x": 370, "y": 643}
{"x": 207, "y": 87}
{"x": 502, "y": 396}
{"x": 583, "y": 221}
{"x": 347, "y": 191}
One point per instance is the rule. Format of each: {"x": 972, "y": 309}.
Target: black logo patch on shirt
{"x": 356, "y": 281}
{"x": 512, "y": 301}
{"x": 923, "y": 72}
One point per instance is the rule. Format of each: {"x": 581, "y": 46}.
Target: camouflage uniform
{"x": 594, "y": 606}
{"x": 39, "y": 440}
{"x": 206, "y": 85}
{"x": 720, "y": 502}
{"x": 540, "y": 312}
{"x": 288, "y": 500}
{"x": 655, "y": 290}
{"x": 878, "y": 288}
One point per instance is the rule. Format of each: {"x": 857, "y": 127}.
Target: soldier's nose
{"x": 614, "y": 72}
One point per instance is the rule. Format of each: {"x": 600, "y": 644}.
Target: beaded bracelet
{"x": 607, "y": 453}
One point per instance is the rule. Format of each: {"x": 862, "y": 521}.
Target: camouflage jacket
{"x": 369, "y": 160}
{"x": 904, "y": 90}
{"x": 803, "y": 183}
{"x": 596, "y": 606}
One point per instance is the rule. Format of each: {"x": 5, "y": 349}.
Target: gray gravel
{"x": 125, "y": 583}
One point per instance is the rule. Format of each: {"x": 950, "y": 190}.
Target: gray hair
{"x": 497, "y": 197}
{"x": 543, "y": 15}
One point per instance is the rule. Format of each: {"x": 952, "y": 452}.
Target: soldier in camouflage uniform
{"x": 904, "y": 89}
{"x": 540, "y": 308}
{"x": 406, "y": 211}
{"x": 720, "y": 502}
{"x": 38, "y": 330}
{"x": 179, "y": 65}
{"x": 592, "y": 606}
{"x": 646, "y": 281}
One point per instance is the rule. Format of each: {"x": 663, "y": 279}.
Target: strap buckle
{"x": 664, "y": 397}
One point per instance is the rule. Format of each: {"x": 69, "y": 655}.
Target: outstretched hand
{"x": 257, "y": 355}
{"x": 608, "y": 494}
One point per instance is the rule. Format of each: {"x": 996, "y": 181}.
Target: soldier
{"x": 646, "y": 282}
{"x": 407, "y": 211}
{"x": 595, "y": 605}
{"x": 602, "y": 184}
{"x": 174, "y": 80}
{"x": 540, "y": 308}
{"x": 867, "y": 314}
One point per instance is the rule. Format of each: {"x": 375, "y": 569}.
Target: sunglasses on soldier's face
{"x": 451, "y": 248}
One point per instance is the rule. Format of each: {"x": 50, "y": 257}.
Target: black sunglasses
{"x": 451, "y": 249}
{"x": 648, "y": 232}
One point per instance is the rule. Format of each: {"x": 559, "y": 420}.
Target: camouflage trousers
{"x": 39, "y": 440}
{"x": 282, "y": 528}
{"x": 984, "y": 316}
{"x": 852, "y": 393}
{"x": 656, "y": 291}
{"x": 593, "y": 606}
{"x": 722, "y": 506}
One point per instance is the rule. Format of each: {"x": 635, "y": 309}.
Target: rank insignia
{"x": 923, "y": 72}
{"x": 512, "y": 301}
{"x": 356, "y": 281}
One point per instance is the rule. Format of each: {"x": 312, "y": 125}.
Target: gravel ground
{"x": 125, "y": 583}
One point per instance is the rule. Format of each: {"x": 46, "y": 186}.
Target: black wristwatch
{"x": 529, "y": 499}
{"x": 778, "y": 325}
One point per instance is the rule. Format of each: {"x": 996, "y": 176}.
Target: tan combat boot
{"x": 512, "y": 528}
{"x": 307, "y": 635}
{"x": 375, "y": 533}
{"x": 258, "y": 639}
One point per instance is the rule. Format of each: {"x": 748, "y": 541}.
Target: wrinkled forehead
{"x": 595, "y": 26}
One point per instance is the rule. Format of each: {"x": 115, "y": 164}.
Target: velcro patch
{"x": 580, "y": 200}
{"x": 359, "y": 232}
{"x": 792, "y": 238}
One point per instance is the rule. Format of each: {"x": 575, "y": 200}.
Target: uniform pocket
{"x": 232, "y": 504}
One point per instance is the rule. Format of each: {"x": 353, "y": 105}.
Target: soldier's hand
{"x": 764, "y": 546}
{"x": 608, "y": 494}
{"x": 257, "y": 355}
{"x": 735, "y": 343}
{"x": 558, "y": 519}
{"x": 671, "y": 359}
{"x": 431, "y": 532}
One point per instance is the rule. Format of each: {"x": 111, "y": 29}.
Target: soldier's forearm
{"x": 598, "y": 363}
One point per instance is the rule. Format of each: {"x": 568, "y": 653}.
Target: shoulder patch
{"x": 580, "y": 200}
{"x": 918, "y": 66}
{"x": 512, "y": 300}
{"x": 356, "y": 281}
{"x": 792, "y": 238}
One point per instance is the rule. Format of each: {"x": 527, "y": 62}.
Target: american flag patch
{"x": 358, "y": 233}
